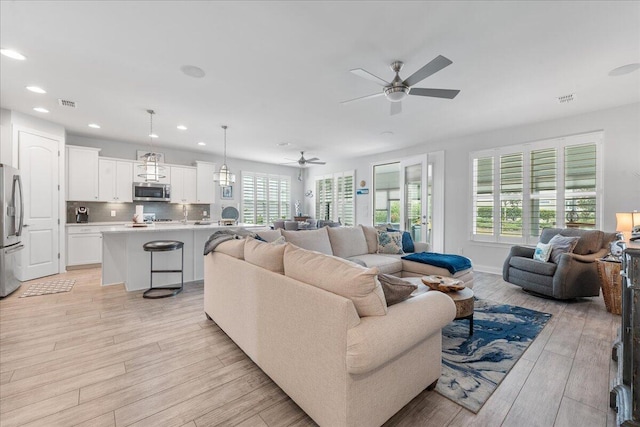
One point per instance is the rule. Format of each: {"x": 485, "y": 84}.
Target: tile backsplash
{"x": 101, "y": 212}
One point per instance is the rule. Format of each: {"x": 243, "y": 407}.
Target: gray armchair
{"x": 574, "y": 276}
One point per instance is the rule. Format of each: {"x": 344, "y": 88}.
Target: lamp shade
{"x": 624, "y": 221}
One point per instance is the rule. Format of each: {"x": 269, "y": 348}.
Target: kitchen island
{"x": 124, "y": 260}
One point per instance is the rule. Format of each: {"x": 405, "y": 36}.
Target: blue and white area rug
{"x": 472, "y": 367}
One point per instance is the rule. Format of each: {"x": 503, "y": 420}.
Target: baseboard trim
{"x": 487, "y": 269}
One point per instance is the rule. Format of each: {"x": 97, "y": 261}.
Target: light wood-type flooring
{"x": 101, "y": 356}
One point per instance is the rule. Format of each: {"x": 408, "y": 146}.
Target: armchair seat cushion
{"x": 533, "y": 266}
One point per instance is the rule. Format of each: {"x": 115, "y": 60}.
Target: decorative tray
{"x": 443, "y": 284}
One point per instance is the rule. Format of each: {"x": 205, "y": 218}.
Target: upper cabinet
{"x": 82, "y": 173}
{"x": 205, "y": 187}
{"x": 183, "y": 184}
{"x": 115, "y": 180}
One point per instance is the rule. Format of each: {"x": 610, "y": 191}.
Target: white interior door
{"x": 38, "y": 163}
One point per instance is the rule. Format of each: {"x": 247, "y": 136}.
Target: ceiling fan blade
{"x": 396, "y": 108}
{"x": 312, "y": 159}
{"x": 431, "y": 68}
{"x": 367, "y": 75}
{"x": 316, "y": 163}
{"x": 363, "y": 97}
{"x": 436, "y": 93}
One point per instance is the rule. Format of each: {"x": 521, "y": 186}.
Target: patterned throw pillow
{"x": 543, "y": 252}
{"x": 390, "y": 242}
{"x": 560, "y": 245}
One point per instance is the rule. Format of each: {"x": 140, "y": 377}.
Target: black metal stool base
{"x": 174, "y": 291}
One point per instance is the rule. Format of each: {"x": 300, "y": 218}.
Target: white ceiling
{"x": 276, "y": 71}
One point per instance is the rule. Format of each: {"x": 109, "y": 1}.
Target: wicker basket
{"x": 611, "y": 283}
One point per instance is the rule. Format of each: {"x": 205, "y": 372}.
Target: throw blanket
{"x": 220, "y": 236}
{"x": 453, "y": 263}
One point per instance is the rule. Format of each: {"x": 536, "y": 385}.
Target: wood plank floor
{"x": 101, "y": 356}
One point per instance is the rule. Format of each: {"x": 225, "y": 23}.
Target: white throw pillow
{"x": 338, "y": 276}
{"x": 543, "y": 252}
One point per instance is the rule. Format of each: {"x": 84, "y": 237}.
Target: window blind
{"x": 511, "y": 185}
{"x": 580, "y": 185}
{"x": 483, "y": 196}
{"x": 543, "y": 184}
{"x": 265, "y": 198}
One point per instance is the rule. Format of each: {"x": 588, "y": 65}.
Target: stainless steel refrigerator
{"x": 11, "y": 221}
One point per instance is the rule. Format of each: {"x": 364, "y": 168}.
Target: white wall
{"x": 127, "y": 150}
{"x": 621, "y": 152}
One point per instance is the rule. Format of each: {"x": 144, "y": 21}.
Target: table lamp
{"x": 627, "y": 222}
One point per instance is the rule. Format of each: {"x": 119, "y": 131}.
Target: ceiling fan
{"x": 398, "y": 89}
{"x": 303, "y": 162}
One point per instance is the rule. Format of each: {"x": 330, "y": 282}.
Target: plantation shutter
{"x": 261, "y": 199}
{"x": 511, "y": 186}
{"x": 273, "y": 199}
{"x": 580, "y": 185}
{"x": 348, "y": 209}
{"x": 248, "y": 199}
{"x": 543, "y": 190}
{"x": 483, "y": 196}
{"x": 285, "y": 198}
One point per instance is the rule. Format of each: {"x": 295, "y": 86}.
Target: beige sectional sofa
{"x": 360, "y": 244}
{"x": 319, "y": 326}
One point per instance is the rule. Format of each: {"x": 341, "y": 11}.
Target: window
{"x": 265, "y": 198}
{"x": 335, "y": 198}
{"x": 387, "y": 194}
{"x": 519, "y": 190}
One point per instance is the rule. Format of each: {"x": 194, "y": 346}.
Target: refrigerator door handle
{"x": 17, "y": 183}
{"x": 14, "y": 250}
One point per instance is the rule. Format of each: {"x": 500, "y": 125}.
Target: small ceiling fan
{"x": 398, "y": 89}
{"x": 303, "y": 162}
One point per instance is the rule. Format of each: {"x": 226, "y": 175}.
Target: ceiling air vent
{"x": 67, "y": 103}
{"x": 565, "y": 99}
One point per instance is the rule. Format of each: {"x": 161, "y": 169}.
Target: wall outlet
{"x": 113, "y": 213}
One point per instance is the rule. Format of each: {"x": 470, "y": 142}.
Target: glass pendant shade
{"x": 150, "y": 168}
{"x": 224, "y": 177}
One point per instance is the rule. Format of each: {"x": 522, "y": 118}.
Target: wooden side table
{"x": 611, "y": 283}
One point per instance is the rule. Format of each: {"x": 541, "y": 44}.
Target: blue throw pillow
{"x": 407, "y": 241}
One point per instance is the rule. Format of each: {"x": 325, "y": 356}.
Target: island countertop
{"x": 125, "y": 261}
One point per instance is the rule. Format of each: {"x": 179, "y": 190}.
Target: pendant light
{"x": 224, "y": 176}
{"x": 150, "y": 168}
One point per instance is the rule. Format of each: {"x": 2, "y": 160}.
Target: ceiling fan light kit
{"x": 399, "y": 89}
{"x": 224, "y": 177}
{"x": 150, "y": 168}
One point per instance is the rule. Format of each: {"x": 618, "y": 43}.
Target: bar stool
{"x": 164, "y": 246}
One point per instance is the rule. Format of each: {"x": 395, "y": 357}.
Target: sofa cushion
{"x": 590, "y": 241}
{"x": 560, "y": 245}
{"x": 269, "y": 235}
{"x": 407, "y": 241}
{"x": 233, "y": 247}
{"x": 533, "y": 266}
{"x": 338, "y": 276}
{"x": 543, "y": 252}
{"x": 264, "y": 255}
{"x": 395, "y": 289}
{"x": 387, "y": 264}
{"x": 348, "y": 241}
{"x": 390, "y": 242}
{"x": 371, "y": 236}
{"x": 312, "y": 240}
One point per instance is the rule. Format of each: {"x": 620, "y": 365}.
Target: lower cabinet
{"x": 84, "y": 247}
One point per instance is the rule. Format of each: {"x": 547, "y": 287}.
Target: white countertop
{"x": 169, "y": 226}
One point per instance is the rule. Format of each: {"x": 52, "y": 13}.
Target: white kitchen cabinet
{"x": 82, "y": 173}
{"x": 166, "y": 172}
{"x": 115, "y": 180}
{"x": 205, "y": 187}
{"x": 183, "y": 184}
{"x": 84, "y": 246}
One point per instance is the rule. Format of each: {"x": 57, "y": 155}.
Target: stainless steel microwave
{"x": 151, "y": 192}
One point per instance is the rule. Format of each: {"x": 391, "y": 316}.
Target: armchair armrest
{"x": 378, "y": 339}
{"x": 589, "y": 258}
{"x": 521, "y": 251}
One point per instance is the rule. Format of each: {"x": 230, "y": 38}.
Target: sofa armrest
{"x": 378, "y": 339}
{"x": 420, "y": 247}
{"x": 521, "y": 251}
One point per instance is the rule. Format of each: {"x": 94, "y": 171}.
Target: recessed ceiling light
{"x": 41, "y": 110}
{"x": 181, "y": 127}
{"x": 13, "y": 54}
{"x": 202, "y": 143}
{"x": 386, "y": 133}
{"x": 153, "y": 135}
{"x": 94, "y": 125}
{"x": 193, "y": 71}
{"x": 36, "y": 89}
{"x": 625, "y": 69}
{"x": 283, "y": 144}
